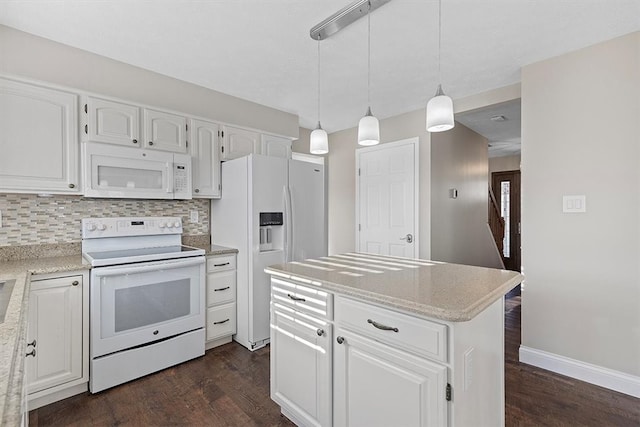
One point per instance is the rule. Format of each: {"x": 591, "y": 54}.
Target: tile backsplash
{"x": 28, "y": 219}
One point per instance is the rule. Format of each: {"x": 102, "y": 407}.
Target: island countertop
{"x": 451, "y": 292}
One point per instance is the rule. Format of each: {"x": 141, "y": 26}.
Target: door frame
{"x": 415, "y": 142}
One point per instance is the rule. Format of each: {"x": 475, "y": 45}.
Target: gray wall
{"x": 26, "y": 55}
{"x": 581, "y": 135}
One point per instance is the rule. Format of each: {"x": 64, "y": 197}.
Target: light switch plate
{"x": 193, "y": 216}
{"x": 574, "y": 204}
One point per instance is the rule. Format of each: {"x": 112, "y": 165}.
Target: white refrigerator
{"x": 273, "y": 211}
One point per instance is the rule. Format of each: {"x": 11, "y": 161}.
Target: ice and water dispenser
{"x": 271, "y": 233}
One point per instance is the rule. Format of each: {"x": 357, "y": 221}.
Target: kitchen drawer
{"x": 221, "y": 263}
{"x": 418, "y": 336}
{"x": 302, "y": 298}
{"x": 221, "y": 288}
{"x": 221, "y": 321}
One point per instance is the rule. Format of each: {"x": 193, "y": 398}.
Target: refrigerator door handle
{"x": 288, "y": 226}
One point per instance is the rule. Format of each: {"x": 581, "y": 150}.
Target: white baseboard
{"x": 593, "y": 374}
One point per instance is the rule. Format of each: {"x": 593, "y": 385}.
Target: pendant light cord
{"x": 439, "y": 39}
{"x": 369, "y": 56}
{"x": 318, "y": 79}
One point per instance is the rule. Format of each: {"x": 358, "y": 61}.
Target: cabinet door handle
{"x": 222, "y": 321}
{"x": 295, "y": 298}
{"x": 75, "y": 283}
{"x": 135, "y": 141}
{"x": 320, "y": 332}
{"x": 221, "y": 289}
{"x": 221, "y": 265}
{"x": 381, "y": 326}
{"x": 31, "y": 353}
{"x": 340, "y": 340}
{"x": 32, "y": 343}
{"x": 72, "y": 186}
{"x": 150, "y": 142}
{"x": 197, "y": 190}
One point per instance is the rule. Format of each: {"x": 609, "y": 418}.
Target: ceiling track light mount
{"x": 345, "y": 17}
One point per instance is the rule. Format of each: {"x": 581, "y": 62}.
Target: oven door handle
{"x": 146, "y": 267}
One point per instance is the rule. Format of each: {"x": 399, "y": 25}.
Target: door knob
{"x": 408, "y": 238}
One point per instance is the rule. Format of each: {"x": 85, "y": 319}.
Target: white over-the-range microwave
{"x": 124, "y": 172}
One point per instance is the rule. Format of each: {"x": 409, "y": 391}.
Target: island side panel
{"x": 477, "y": 356}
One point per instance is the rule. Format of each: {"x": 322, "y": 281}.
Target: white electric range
{"x": 147, "y": 297}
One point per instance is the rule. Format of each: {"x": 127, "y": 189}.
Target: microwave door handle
{"x": 169, "y": 168}
{"x": 155, "y": 266}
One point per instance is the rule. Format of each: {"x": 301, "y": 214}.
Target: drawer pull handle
{"x": 31, "y": 353}
{"x": 222, "y": 321}
{"x": 295, "y": 298}
{"x": 320, "y": 332}
{"x": 381, "y": 326}
{"x": 32, "y": 343}
{"x": 340, "y": 340}
{"x": 221, "y": 265}
{"x": 221, "y": 289}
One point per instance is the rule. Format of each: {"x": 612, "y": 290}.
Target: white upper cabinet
{"x": 165, "y": 131}
{"x": 276, "y": 146}
{"x": 39, "y": 139}
{"x": 111, "y": 122}
{"x": 205, "y": 158}
{"x": 238, "y": 142}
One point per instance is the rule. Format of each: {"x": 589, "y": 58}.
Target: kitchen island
{"x": 364, "y": 339}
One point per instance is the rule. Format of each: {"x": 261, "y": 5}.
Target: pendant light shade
{"x": 440, "y": 112}
{"x": 319, "y": 141}
{"x": 368, "y": 130}
{"x": 440, "y": 107}
{"x": 368, "y": 127}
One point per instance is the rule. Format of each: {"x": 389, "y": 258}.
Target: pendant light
{"x": 369, "y": 127}
{"x": 440, "y": 107}
{"x": 319, "y": 141}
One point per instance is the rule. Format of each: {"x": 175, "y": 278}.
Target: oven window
{"x": 146, "y": 305}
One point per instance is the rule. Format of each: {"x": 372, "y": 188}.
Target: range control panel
{"x": 130, "y": 226}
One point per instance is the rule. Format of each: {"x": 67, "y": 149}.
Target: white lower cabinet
{"x": 378, "y": 385}
{"x": 57, "y": 341}
{"x": 301, "y": 367}
{"x": 221, "y": 299}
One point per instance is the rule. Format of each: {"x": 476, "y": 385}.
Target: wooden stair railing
{"x": 496, "y": 222}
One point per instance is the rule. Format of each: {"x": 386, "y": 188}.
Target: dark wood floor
{"x": 229, "y": 386}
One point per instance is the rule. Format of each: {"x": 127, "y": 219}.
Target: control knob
{"x": 169, "y": 225}
{"x": 177, "y": 224}
{"x": 91, "y": 227}
{"x": 162, "y": 225}
{"x": 102, "y": 227}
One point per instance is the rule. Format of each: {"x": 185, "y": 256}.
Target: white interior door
{"x": 387, "y": 198}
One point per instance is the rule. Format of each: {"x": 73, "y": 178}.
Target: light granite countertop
{"x": 450, "y": 292}
{"x": 13, "y": 329}
{"x": 218, "y": 250}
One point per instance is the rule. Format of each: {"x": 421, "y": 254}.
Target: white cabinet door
{"x": 238, "y": 142}
{"x": 112, "y": 122}
{"x": 301, "y": 366}
{"x": 376, "y": 385}
{"x": 39, "y": 139}
{"x": 276, "y": 146}
{"x": 165, "y": 131}
{"x": 55, "y": 329}
{"x": 205, "y": 159}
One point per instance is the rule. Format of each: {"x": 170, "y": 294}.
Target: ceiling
{"x": 260, "y": 50}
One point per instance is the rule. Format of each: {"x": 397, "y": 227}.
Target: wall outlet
{"x": 193, "y": 216}
{"x": 574, "y": 204}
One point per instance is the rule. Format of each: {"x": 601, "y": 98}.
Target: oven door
{"x": 135, "y": 304}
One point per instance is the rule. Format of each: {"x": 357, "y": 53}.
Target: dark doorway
{"x": 506, "y": 187}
